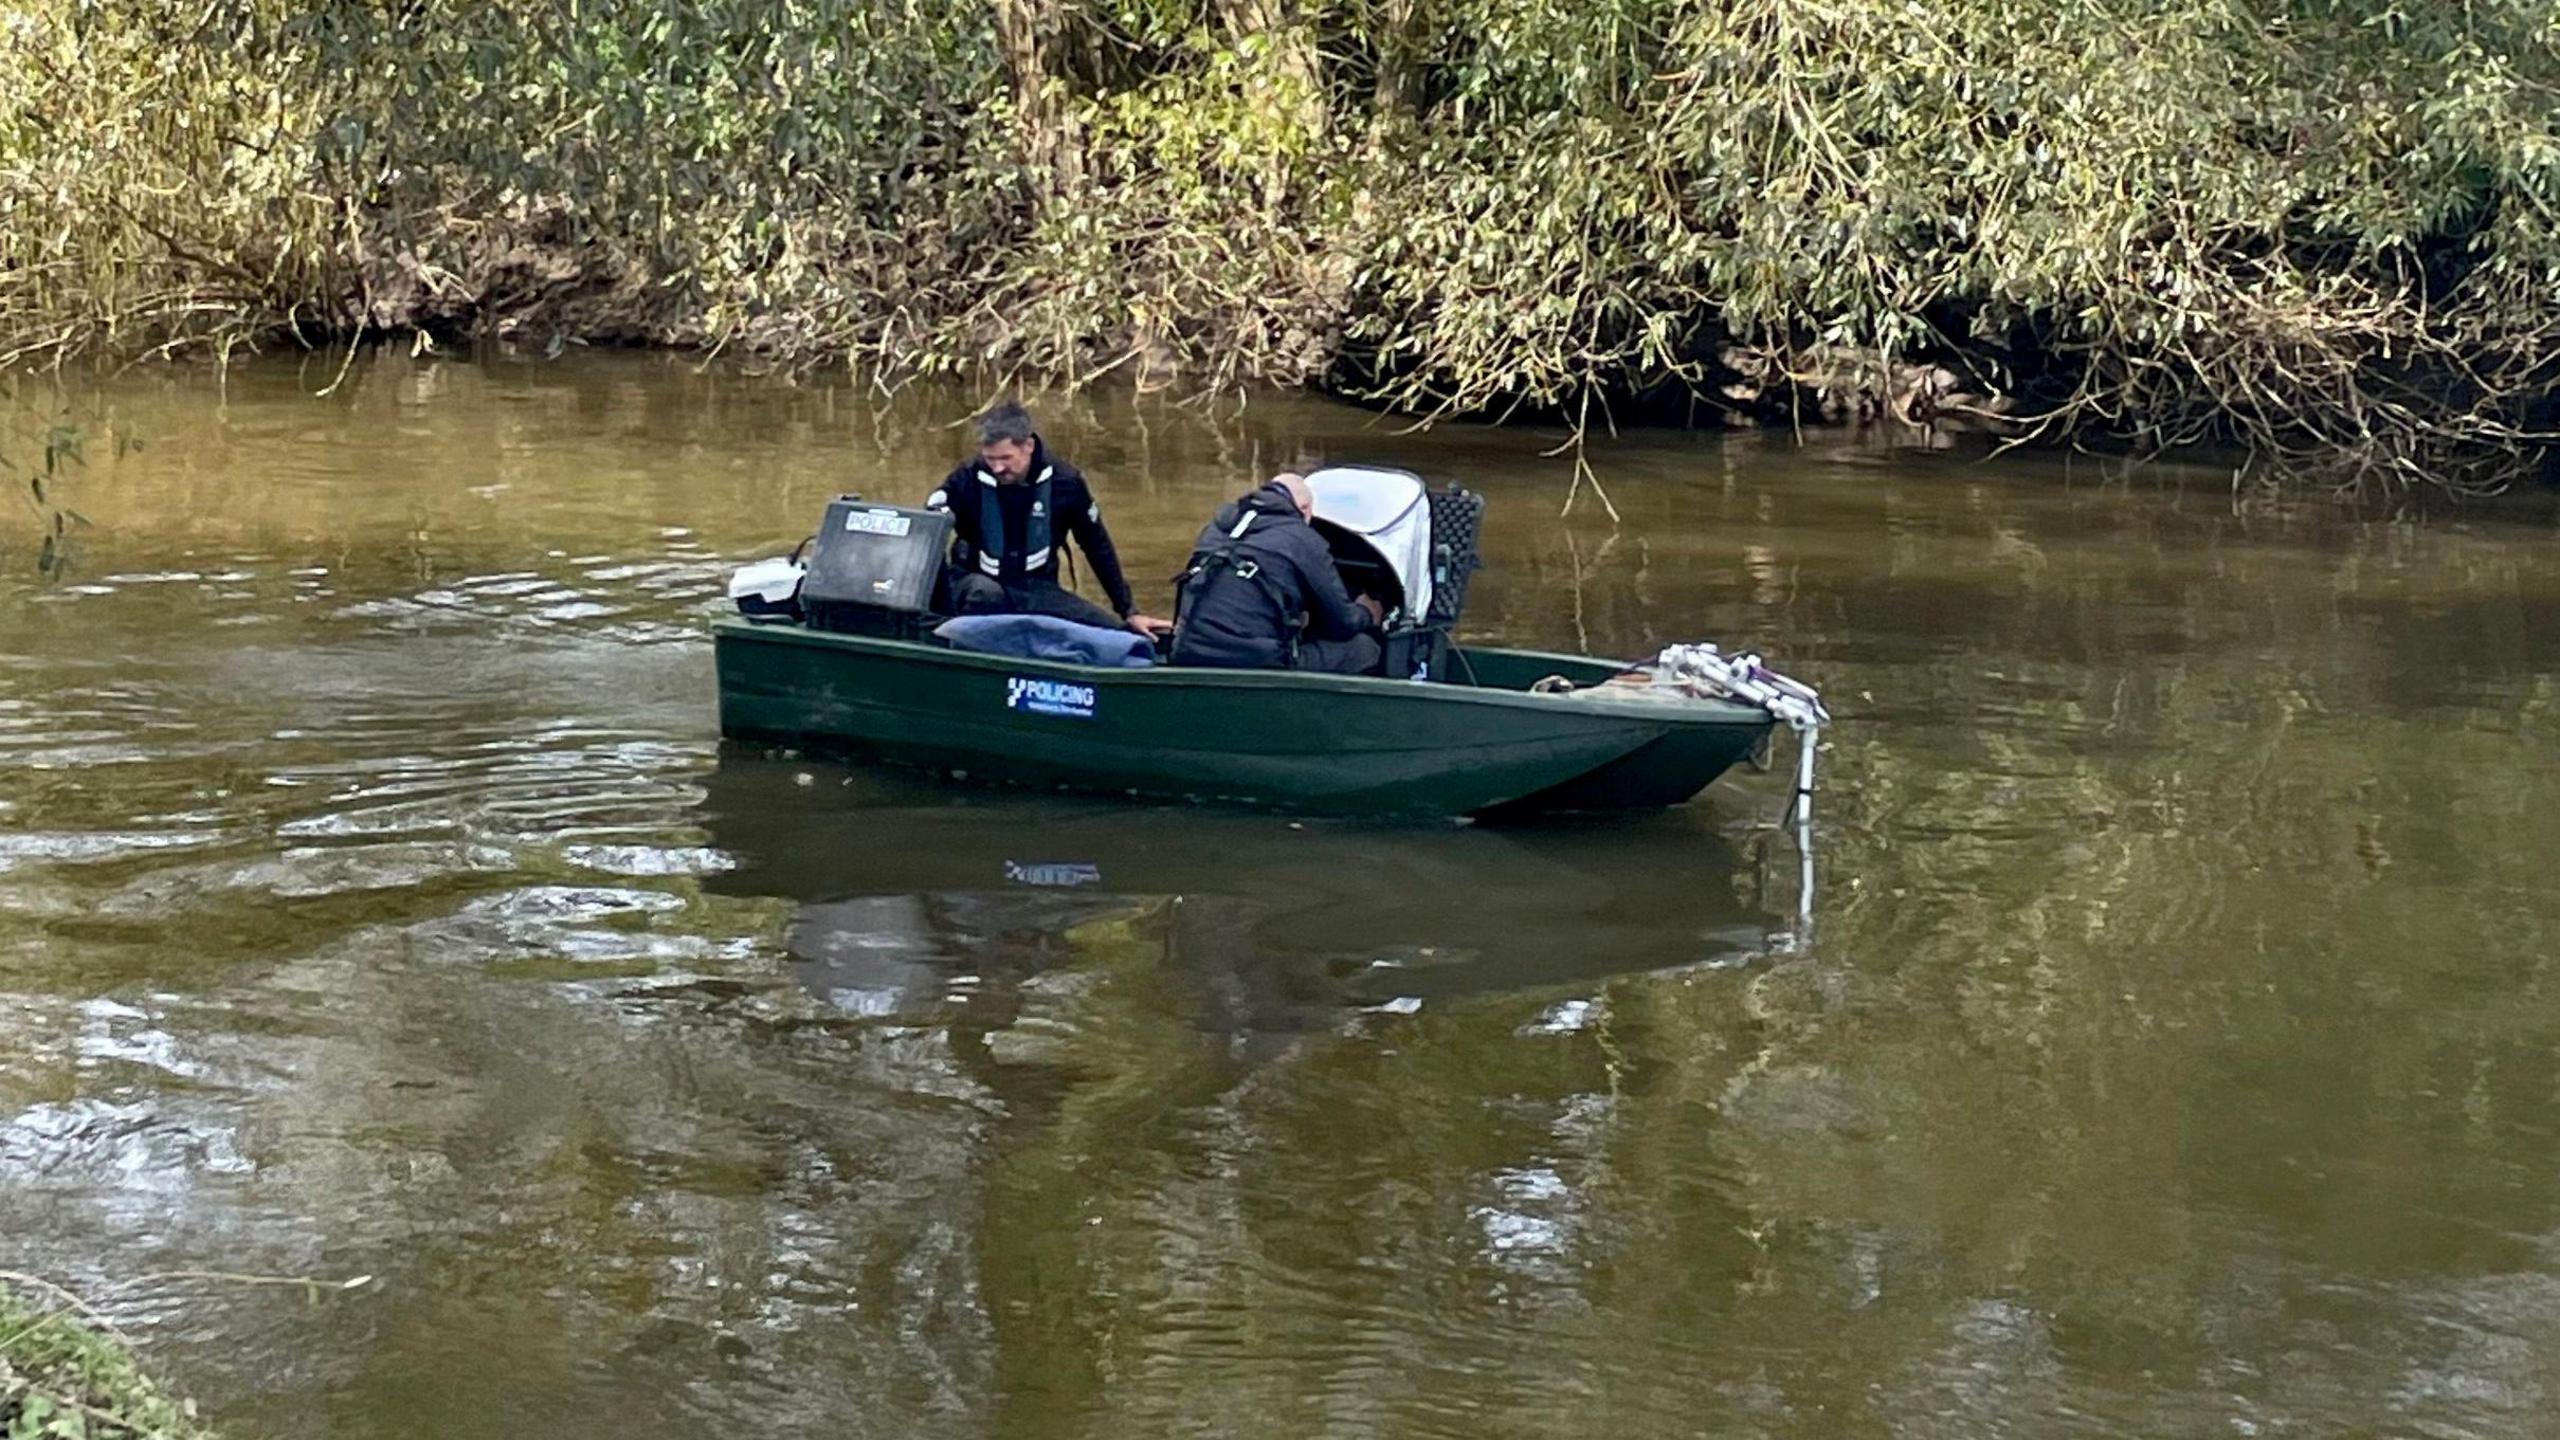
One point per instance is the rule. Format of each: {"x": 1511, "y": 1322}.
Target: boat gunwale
{"x": 1688, "y": 713}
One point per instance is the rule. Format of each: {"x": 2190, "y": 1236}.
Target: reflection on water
{"x": 2175, "y": 1052}
{"x": 915, "y": 903}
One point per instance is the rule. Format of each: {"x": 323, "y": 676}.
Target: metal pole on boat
{"x": 1807, "y": 740}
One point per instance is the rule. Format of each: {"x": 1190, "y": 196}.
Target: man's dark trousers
{"x": 1357, "y": 655}
{"x": 984, "y": 595}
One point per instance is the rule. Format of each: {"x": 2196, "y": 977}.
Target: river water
{"x": 2175, "y": 1049}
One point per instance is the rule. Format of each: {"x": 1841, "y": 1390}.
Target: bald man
{"x": 1261, "y": 592}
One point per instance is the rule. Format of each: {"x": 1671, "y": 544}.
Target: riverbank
{"x": 62, "y": 1377}
{"x": 2323, "y": 235}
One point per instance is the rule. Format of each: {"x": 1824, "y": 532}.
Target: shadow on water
{"x": 908, "y": 894}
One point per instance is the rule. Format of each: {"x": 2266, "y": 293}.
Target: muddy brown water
{"x": 2175, "y": 1051}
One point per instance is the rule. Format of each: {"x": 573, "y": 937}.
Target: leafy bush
{"x": 63, "y": 1379}
{"x": 2325, "y": 228}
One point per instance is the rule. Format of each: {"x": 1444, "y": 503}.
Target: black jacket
{"x": 1070, "y": 508}
{"x": 1244, "y": 591}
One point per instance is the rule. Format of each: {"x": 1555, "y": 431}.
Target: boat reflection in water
{"x": 921, "y": 904}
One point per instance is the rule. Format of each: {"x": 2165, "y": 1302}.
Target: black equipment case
{"x": 1417, "y": 646}
{"x": 874, "y": 567}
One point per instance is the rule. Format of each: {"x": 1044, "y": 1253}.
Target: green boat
{"x": 1325, "y": 744}
{"x": 1485, "y": 733}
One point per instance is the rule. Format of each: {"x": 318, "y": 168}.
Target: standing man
{"x": 1008, "y": 508}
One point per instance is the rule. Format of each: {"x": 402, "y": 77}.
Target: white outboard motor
{"x": 768, "y": 589}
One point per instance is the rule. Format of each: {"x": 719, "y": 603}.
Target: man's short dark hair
{"x": 1008, "y": 421}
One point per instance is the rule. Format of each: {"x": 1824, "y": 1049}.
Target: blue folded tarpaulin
{"x": 1039, "y": 637}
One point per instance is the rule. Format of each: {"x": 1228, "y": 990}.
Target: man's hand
{"x": 1150, "y": 626}
{"x": 1377, "y": 612}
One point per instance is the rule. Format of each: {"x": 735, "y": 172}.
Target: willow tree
{"x": 2325, "y": 228}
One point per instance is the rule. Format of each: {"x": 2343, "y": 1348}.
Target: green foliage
{"x": 62, "y": 1378}
{"x": 2325, "y": 228}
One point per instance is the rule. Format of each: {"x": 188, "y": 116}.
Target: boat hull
{"x": 1317, "y": 743}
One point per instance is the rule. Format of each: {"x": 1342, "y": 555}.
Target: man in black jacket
{"x": 1258, "y": 569}
{"x": 1007, "y": 509}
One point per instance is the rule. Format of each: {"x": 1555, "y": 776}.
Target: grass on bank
{"x": 64, "y": 1376}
